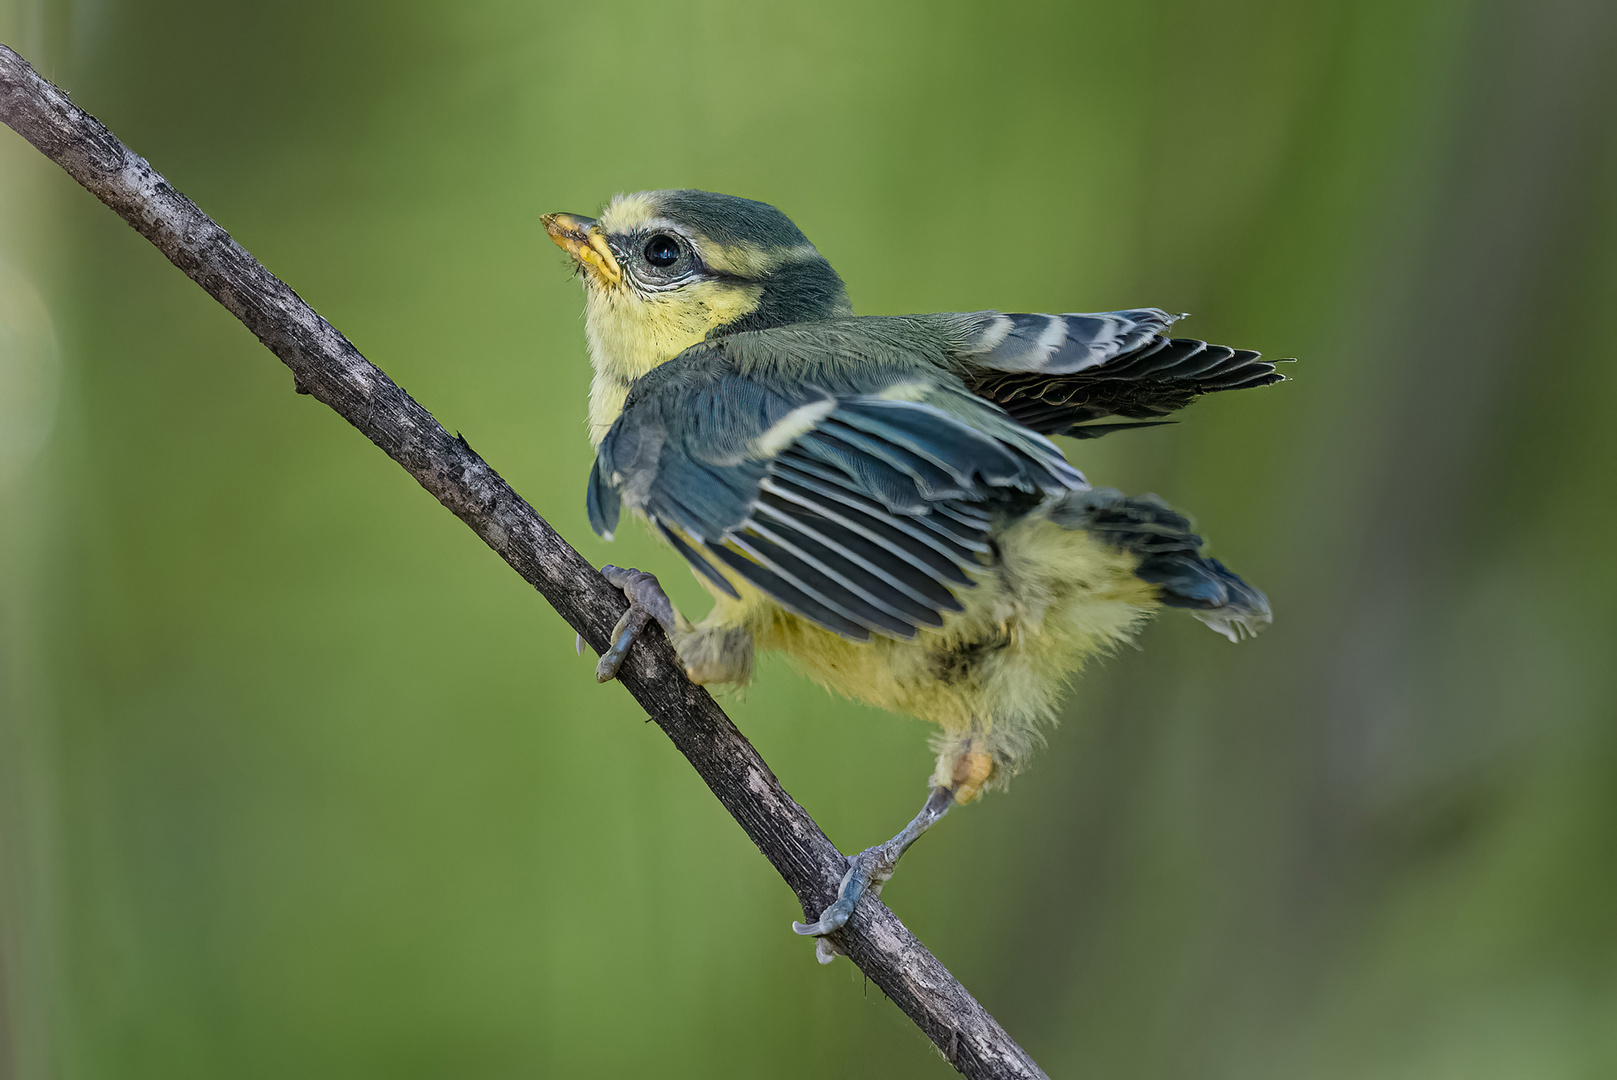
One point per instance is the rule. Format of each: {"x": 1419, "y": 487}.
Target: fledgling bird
{"x": 878, "y": 497}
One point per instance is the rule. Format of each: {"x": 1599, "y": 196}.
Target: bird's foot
{"x": 647, "y": 601}
{"x": 867, "y": 872}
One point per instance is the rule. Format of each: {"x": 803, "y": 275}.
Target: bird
{"x": 879, "y": 497}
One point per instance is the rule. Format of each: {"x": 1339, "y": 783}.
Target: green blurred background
{"x": 297, "y": 779}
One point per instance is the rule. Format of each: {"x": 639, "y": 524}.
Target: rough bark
{"x": 326, "y": 365}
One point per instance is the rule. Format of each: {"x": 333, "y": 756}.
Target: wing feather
{"x": 699, "y": 564}
{"x": 912, "y": 581}
{"x": 904, "y": 539}
{"x": 853, "y": 574}
{"x": 793, "y": 595}
{"x": 867, "y": 520}
{"x": 1053, "y": 373}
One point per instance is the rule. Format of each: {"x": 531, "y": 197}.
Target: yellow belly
{"x": 995, "y": 671}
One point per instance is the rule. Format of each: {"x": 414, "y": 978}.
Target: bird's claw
{"x": 647, "y": 601}
{"x": 827, "y": 950}
{"x": 867, "y": 872}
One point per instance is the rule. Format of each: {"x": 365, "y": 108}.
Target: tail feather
{"x": 1170, "y": 557}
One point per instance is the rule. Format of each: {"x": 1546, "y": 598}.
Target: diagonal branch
{"x": 326, "y": 365}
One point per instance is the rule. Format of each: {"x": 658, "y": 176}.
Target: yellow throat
{"x": 629, "y": 334}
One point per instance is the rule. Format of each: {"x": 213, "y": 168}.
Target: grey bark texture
{"x": 326, "y": 365}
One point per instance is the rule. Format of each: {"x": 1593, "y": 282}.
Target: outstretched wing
{"x": 1055, "y": 373}
{"x": 861, "y": 512}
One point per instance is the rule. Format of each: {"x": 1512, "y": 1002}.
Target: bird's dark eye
{"x": 662, "y": 250}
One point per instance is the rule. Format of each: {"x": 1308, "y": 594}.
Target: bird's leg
{"x": 716, "y": 651}
{"x": 869, "y": 870}
{"x": 647, "y": 601}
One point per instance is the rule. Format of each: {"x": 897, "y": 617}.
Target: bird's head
{"x": 663, "y": 270}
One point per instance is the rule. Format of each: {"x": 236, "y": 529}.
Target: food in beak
{"x": 582, "y": 239}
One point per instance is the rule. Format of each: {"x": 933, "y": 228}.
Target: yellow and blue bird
{"x": 878, "y": 497}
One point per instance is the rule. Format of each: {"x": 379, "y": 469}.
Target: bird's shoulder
{"x": 852, "y": 355}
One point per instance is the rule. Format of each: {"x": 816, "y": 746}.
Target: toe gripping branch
{"x": 647, "y": 601}
{"x": 868, "y": 871}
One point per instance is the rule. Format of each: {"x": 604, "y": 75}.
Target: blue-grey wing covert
{"x": 862, "y": 513}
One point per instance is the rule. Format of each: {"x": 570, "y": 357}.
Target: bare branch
{"x": 326, "y": 365}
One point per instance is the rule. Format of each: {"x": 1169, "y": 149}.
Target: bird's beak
{"x": 580, "y": 238}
